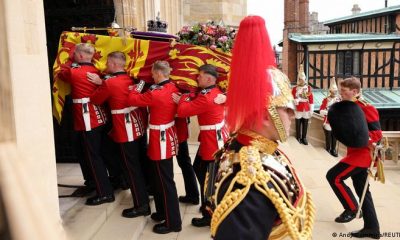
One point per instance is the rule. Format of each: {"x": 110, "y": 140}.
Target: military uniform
{"x": 213, "y": 132}
{"x": 304, "y": 101}
{"x": 127, "y": 127}
{"x": 162, "y": 146}
{"x": 330, "y": 139}
{"x": 355, "y": 165}
{"x": 253, "y": 179}
{"x": 257, "y": 194}
{"x": 89, "y": 120}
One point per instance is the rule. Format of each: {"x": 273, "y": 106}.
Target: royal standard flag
{"x": 141, "y": 54}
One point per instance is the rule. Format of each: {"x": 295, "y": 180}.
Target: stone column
{"x": 131, "y": 13}
{"x": 28, "y": 175}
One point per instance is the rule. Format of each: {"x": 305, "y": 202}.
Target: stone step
{"x": 118, "y": 227}
{"x": 82, "y": 222}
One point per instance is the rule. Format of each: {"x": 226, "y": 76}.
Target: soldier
{"x": 127, "y": 127}
{"x": 89, "y": 119}
{"x": 213, "y": 132}
{"x": 349, "y": 130}
{"x": 258, "y": 194}
{"x": 333, "y": 97}
{"x": 304, "y": 102}
{"x": 162, "y": 145}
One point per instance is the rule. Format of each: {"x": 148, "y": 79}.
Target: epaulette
{"x": 75, "y": 65}
{"x": 108, "y": 77}
{"x": 155, "y": 87}
{"x": 205, "y": 91}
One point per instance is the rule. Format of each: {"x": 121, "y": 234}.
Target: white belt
{"x": 162, "y": 127}
{"x": 218, "y": 133}
{"x": 85, "y": 111}
{"x": 213, "y": 127}
{"x": 124, "y": 110}
{"x": 81, "y": 100}
{"x": 163, "y": 136}
{"x": 128, "y": 120}
{"x": 303, "y": 100}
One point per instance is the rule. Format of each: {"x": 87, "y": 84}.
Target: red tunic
{"x": 303, "y": 98}
{"x": 361, "y": 157}
{"x": 127, "y": 121}
{"x": 81, "y": 89}
{"x": 324, "y": 108}
{"x": 182, "y": 129}
{"x": 213, "y": 132}
{"x": 163, "y": 142}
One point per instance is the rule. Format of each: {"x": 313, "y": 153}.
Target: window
{"x": 348, "y": 63}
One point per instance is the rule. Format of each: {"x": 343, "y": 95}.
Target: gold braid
{"x": 297, "y": 221}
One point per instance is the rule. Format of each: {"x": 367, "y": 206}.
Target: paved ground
{"x": 311, "y": 164}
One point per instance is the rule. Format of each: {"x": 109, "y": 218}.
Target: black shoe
{"x": 333, "y": 152}
{"x": 346, "y": 216}
{"x": 201, "y": 222}
{"x": 162, "y": 228}
{"x": 304, "y": 141}
{"x": 158, "y": 217}
{"x": 186, "y": 199}
{"x": 136, "y": 212}
{"x": 97, "y": 200}
{"x": 365, "y": 232}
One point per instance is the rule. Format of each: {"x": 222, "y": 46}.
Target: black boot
{"x": 201, "y": 222}
{"x": 346, "y": 216}
{"x": 367, "y": 233}
{"x": 333, "y": 146}
{"x": 298, "y": 130}
{"x": 137, "y": 211}
{"x": 304, "y": 131}
{"x": 327, "y": 140}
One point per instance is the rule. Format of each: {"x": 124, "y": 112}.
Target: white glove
{"x": 323, "y": 112}
{"x": 312, "y": 108}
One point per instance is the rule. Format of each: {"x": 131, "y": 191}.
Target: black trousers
{"x": 252, "y": 219}
{"x": 189, "y": 178}
{"x": 134, "y": 173}
{"x": 166, "y": 196}
{"x": 92, "y": 147}
{"x": 336, "y": 176}
{"x": 79, "y": 147}
{"x": 111, "y": 153}
{"x": 145, "y": 163}
{"x": 200, "y": 167}
{"x": 330, "y": 140}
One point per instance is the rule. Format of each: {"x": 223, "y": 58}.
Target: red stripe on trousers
{"x": 343, "y": 190}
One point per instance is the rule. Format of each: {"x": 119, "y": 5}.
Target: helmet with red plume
{"x": 255, "y": 85}
{"x": 249, "y": 85}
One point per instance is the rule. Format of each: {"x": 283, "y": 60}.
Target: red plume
{"x": 249, "y": 84}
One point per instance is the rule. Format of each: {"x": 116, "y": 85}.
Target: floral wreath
{"x": 214, "y": 36}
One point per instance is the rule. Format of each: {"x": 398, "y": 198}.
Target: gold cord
{"x": 297, "y": 221}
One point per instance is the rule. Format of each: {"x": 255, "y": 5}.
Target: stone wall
{"x": 229, "y": 11}
{"x": 28, "y": 178}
